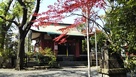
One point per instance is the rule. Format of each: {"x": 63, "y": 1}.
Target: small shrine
{"x": 71, "y": 50}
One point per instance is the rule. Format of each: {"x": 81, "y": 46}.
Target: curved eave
{"x": 55, "y": 30}
{"x": 35, "y": 35}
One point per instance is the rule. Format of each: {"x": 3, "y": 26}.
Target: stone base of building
{"x": 115, "y": 72}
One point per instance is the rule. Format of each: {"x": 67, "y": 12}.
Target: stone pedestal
{"x": 117, "y": 72}
{"x": 111, "y": 64}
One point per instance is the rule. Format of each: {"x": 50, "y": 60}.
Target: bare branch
{"x": 105, "y": 32}
{"x": 100, "y": 19}
{"x": 76, "y": 14}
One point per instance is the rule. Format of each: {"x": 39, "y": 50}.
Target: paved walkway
{"x": 64, "y": 72}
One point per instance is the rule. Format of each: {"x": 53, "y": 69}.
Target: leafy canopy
{"x": 122, "y": 19}
{"x": 83, "y": 9}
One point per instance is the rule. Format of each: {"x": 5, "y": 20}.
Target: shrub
{"x": 50, "y": 54}
{"x": 5, "y": 55}
{"x": 130, "y": 63}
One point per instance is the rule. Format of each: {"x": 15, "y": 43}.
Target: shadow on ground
{"x": 50, "y": 73}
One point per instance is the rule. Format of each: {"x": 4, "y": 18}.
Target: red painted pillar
{"x": 42, "y": 44}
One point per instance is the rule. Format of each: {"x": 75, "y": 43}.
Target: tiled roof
{"x": 51, "y": 29}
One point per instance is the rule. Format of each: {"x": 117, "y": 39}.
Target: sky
{"x": 43, "y": 8}
{"x": 69, "y": 20}
{"x": 44, "y": 4}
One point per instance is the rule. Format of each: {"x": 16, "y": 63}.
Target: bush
{"x": 5, "y": 56}
{"x": 51, "y": 56}
{"x": 130, "y": 63}
{"x": 29, "y": 54}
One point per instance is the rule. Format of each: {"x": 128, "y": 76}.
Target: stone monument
{"x": 111, "y": 64}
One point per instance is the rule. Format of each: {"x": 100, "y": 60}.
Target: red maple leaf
{"x": 65, "y": 8}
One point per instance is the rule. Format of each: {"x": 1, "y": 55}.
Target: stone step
{"x": 73, "y": 63}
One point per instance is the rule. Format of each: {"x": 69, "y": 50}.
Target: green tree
{"x": 121, "y": 19}
{"x": 26, "y": 23}
{"x": 24, "y": 16}
{"x": 5, "y": 15}
{"x": 5, "y": 30}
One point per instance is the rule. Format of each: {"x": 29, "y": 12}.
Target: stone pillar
{"x": 111, "y": 64}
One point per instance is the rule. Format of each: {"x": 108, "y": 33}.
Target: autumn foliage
{"x": 66, "y": 8}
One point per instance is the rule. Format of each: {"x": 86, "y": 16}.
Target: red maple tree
{"x": 83, "y": 9}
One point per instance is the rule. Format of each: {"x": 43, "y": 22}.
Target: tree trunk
{"x": 20, "y": 54}
{"x": 3, "y": 40}
{"x": 24, "y": 27}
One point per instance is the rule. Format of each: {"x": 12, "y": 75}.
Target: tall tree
{"x": 24, "y": 27}
{"x": 5, "y": 29}
{"x": 5, "y": 15}
{"x": 84, "y": 10}
{"x": 23, "y": 20}
{"x": 122, "y": 19}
